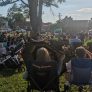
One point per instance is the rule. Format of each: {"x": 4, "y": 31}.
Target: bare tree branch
{"x": 2, "y": 0}
{"x": 24, "y": 3}
{"x": 3, "y": 3}
{"x": 13, "y": 1}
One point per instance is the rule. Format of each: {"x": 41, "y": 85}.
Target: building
{"x": 70, "y": 25}
{"x": 46, "y": 26}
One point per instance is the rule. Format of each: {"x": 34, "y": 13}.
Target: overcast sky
{"x": 78, "y": 9}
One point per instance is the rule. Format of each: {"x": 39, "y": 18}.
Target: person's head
{"x": 43, "y": 55}
{"x": 80, "y": 52}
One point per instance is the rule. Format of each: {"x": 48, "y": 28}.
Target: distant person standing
{"x": 65, "y": 40}
{"x": 82, "y": 36}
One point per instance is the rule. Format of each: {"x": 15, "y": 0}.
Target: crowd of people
{"x": 64, "y": 49}
{"x": 67, "y": 50}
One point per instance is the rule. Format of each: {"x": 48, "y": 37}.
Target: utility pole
{"x": 59, "y": 16}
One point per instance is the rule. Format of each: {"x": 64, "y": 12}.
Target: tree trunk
{"x": 33, "y": 14}
{"x": 40, "y": 15}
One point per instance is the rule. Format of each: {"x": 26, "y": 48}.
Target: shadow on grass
{"x": 7, "y": 72}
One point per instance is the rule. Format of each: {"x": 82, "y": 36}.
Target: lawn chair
{"x": 43, "y": 77}
{"x": 80, "y": 74}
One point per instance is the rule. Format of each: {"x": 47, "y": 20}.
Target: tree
{"x": 18, "y": 20}
{"x": 2, "y": 22}
{"x": 15, "y": 16}
{"x": 14, "y": 9}
{"x": 35, "y": 10}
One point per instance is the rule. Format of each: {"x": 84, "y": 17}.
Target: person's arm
{"x": 68, "y": 73}
{"x": 60, "y": 63}
{"x": 68, "y": 66}
{"x": 88, "y": 53}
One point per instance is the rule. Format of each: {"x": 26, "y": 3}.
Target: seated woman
{"x": 80, "y": 53}
{"x": 83, "y": 59}
{"x": 43, "y": 55}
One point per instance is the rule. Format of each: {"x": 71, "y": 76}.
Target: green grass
{"x": 12, "y": 81}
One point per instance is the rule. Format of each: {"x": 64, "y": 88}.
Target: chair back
{"x": 81, "y": 71}
{"x": 43, "y": 76}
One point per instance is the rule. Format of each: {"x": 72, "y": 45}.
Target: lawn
{"x": 12, "y": 81}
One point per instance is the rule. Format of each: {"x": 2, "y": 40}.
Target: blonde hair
{"x": 80, "y": 52}
{"x": 43, "y": 55}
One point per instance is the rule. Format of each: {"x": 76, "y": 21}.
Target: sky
{"x": 77, "y": 9}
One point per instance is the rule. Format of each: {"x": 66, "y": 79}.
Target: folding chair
{"x": 43, "y": 77}
{"x": 80, "y": 74}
